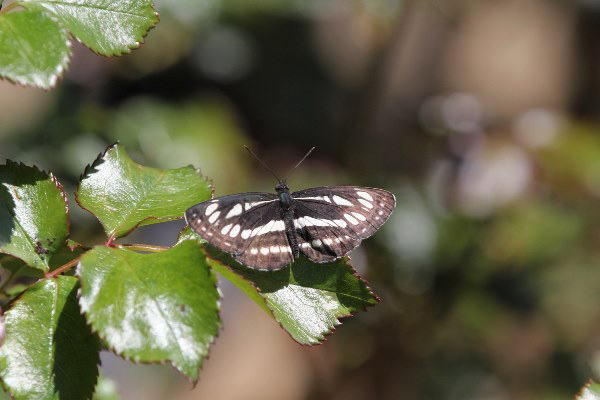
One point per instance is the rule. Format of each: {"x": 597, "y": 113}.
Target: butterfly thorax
{"x": 287, "y": 214}
{"x": 284, "y": 195}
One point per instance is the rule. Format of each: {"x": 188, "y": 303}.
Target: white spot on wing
{"x": 246, "y": 233}
{"x": 236, "y": 210}
{"x": 254, "y": 251}
{"x": 328, "y": 241}
{"x": 214, "y": 216}
{"x": 226, "y": 229}
{"x": 211, "y": 208}
{"x": 341, "y": 201}
{"x": 365, "y": 195}
{"x": 359, "y": 216}
{"x": 316, "y": 243}
{"x": 365, "y": 203}
{"x": 274, "y": 249}
{"x": 234, "y": 232}
{"x": 264, "y": 251}
{"x": 340, "y": 222}
{"x": 318, "y": 198}
{"x": 278, "y": 226}
{"x": 351, "y": 219}
{"x": 248, "y": 206}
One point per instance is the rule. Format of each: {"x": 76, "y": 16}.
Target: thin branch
{"x": 63, "y": 268}
{"x": 8, "y": 8}
{"x": 144, "y": 247}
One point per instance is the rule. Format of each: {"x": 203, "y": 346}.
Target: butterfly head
{"x": 282, "y": 187}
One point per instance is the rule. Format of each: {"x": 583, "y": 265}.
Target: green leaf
{"x": 4, "y": 395}
{"x": 106, "y": 389}
{"x": 591, "y": 391}
{"x": 152, "y": 307}
{"x": 34, "y": 221}
{"x": 49, "y": 351}
{"x": 307, "y": 299}
{"x": 34, "y": 49}
{"x": 244, "y": 285}
{"x": 108, "y": 27}
{"x": 123, "y": 194}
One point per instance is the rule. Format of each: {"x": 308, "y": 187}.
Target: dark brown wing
{"x": 246, "y": 225}
{"x": 331, "y": 221}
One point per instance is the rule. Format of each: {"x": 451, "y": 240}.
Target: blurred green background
{"x": 482, "y": 116}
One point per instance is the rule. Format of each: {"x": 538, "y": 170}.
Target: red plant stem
{"x": 63, "y": 268}
{"x": 8, "y": 8}
{"x": 110, "y": 241}
{"x": 135, "y": 246}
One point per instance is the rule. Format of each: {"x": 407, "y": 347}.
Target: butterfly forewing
{"x": 247, "y": 225}
{"x": 331, "y": 221}
{"x": 324, "y": 223}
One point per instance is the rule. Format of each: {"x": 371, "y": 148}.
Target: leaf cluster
{"x": 145, "y": 303}
{"x": 34, "y": 34}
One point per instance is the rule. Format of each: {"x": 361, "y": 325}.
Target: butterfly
{"x": 268, "y": 231}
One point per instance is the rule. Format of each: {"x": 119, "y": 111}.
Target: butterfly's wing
{"x": 247, "y": 225}
{"x": 331, "y": 221}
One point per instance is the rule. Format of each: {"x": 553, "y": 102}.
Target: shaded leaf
{"x": 34, "y": 49}
{"x": 49, "y": 351}
{"x": 123, "y": 194}
{"x": 108, "y": 27}
{"x": 160, "y": 307}
{"x": 33, "y": 214}
{"x": 307, "y": 299}
{"x": 591, "y": 391}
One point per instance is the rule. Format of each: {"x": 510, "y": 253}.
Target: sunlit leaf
{"x": 160, "y": 307}
{"x": 49, "y": 351}
{"x": 109, "y": 27}
{"x": 34, "y": 49}
{"x": 123, "y": 194}
{"x": 244, "y": 285}
{"x": 591, "y": 391}
{"x": 307, "y": 299}
{"x": 33, "y": 214}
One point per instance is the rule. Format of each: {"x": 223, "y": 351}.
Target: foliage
{"x": 591, "y": 391}
{"x": 34, "y": 34}
{"x": 145, "y": 303}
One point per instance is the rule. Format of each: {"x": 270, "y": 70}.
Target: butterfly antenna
{"x": 304, "y": 158}
{"x": 264, "y": 164}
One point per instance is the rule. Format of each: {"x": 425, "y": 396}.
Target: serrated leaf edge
{"x": 129, "y": 48}
{"x": 587, "y": 385}
{"x": 339, "y": 319}
{"x": 63, "y": 65}
{"x": 18, "y": 298}
{"x": 87, "y": 171}
{"x": 63, "y": 195}
{"x": 136, "y": 360}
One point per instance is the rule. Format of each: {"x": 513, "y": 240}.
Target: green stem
{"x": 144, "y": 247}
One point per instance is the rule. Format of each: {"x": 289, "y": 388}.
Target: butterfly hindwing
{"x": 331, "y": 221}
{"x": 325, "y": 223}
{"x": 247, "y": 225}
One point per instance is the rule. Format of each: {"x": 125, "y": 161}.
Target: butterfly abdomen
{"x": 288, "y": 220}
